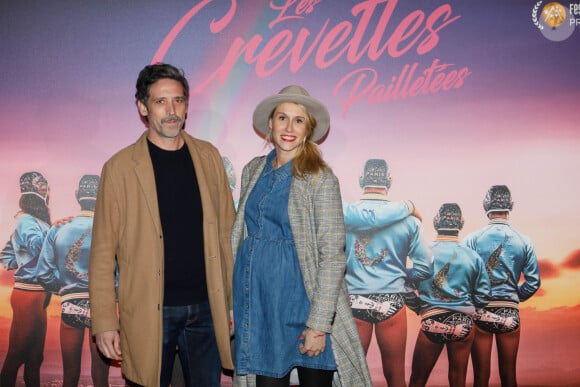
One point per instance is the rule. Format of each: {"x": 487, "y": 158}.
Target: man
{"x": 377, "y": 275}
{"x": 507, "y": 255}
{"x": 449, "y": 300}
{"x": 164, "y": 214}
{"x": 63, "y": 269}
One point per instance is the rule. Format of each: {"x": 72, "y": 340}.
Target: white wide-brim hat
{"x": 296, "y": 94}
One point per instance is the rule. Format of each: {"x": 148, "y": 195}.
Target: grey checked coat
{"x": 316, "y": 219}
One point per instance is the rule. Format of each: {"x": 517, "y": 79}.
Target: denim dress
{"x": 270, "y": 302}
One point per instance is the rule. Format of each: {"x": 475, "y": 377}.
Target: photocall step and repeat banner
{"x": 456, "y": 96}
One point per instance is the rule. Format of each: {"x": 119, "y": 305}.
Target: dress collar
{"x": 284, "y": 170}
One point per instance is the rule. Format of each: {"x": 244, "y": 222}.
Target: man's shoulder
{"x": 199, "y": 144}
{"x": 482, "y": 230}
{"x": 124, "y": 154}
{"x": 468, "y": 252}
{"x": 470, "y": 236}
{"x": 516, "y": 233}
{"x": 409, "y": 220}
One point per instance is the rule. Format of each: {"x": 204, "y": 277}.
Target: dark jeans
{"x": 190, "y": 328}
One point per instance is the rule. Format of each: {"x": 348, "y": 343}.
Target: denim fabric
{"x": 270, "y": 302}
{"x": 190, "y": 328}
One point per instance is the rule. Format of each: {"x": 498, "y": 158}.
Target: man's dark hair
{"x": 152, "y": 73}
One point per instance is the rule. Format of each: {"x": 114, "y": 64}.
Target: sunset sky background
{"x": 67, "y": 86}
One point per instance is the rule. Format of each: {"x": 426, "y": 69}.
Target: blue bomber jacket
{"x": 507, "y": 255}
{"x": 22, "y": 250}
{"x": 377, "y": 254}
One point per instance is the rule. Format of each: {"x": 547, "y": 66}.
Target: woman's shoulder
{"x": 325, "y": 176}
{"x": 256, "y": 162}
{"x": 323, "y": 182}
{"x": 252, "y": 167}
{"x": 26, "y": 221}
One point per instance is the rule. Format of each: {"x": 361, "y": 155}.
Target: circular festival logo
{"x": 553, "y": 20}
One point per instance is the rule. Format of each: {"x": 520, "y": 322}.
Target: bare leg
{"x": 425, "y": 356}
{"x": 365, "y": 331}
{"x": 26, "y": 338}
{"x": 481, "y": 357}
{"x": 458, "y": 356}
{"x": 507, "y": 351}
{"x": 38, "y": 337}
{"x": 71, "y": 345}
{"x": 392, "y": 339}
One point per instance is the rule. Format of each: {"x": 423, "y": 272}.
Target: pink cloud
{"x": 572, "y": 261}
{"x": 548, "y": 269}
{"x": 540, "y": 293}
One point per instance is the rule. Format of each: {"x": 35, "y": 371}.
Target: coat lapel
{"x": 146, "y": 178}
{"x": 202, "y": 169}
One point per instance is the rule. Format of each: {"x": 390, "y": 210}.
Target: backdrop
{"x": 456, "y": 96}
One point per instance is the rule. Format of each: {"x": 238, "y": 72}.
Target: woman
{"x": 28, "y": 299}
{"x": 291, "y": 306}
{"x": 448, "y": 301}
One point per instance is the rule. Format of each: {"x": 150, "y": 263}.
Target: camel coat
{"x": 127, "y": 230}
{"x": 316, "y": 219}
